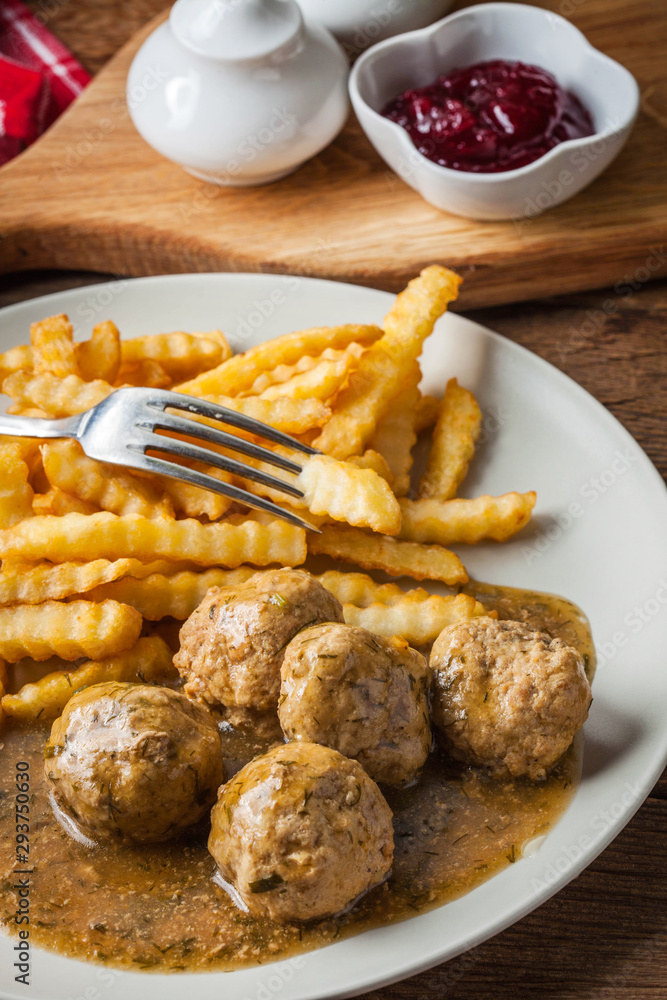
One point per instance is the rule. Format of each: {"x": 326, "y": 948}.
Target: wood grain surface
{"x": 91, "y": 194}
{"x": 604, "y": 936}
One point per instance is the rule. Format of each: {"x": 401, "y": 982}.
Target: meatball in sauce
{"x": 301, "y": 832}
{"x": 507, "y": 697}
{"x": 363, "y": 695}
{"x": 133, "y": 762}
{"x": 233, "y": 644}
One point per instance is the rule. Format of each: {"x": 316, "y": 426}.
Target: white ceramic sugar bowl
{"x": 238, "y": 92}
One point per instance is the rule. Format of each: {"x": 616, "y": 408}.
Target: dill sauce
{"x": 157, "y": 908}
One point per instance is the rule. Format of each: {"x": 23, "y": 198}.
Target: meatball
{"x": 133, "y": 762}
{"x": 300, "y": 832}
{"x": 506, "y": 696}
{"x": 363, "y": 695}
{"x": 232, "y": 646}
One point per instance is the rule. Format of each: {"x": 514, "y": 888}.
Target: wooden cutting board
{"x": 91, "y": 195}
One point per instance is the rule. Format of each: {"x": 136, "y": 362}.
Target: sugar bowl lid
{"x": 236, "y": 30}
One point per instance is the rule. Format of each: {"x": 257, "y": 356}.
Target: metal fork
{"x": 122, "y": 428}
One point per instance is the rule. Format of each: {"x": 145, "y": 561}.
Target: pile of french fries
{"x": 97, "y": 561}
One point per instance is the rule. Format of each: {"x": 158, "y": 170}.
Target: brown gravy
{"x": 158, "y": 908}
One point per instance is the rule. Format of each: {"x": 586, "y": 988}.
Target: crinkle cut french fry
{"x": 321, "y": 382}
{"x": 193, "y": 501}
{"x": 219, "y": 338}
{"x": 373, "y": 460}
{"x": 16, "y": 359}
{"x": 99, "y": 357}
{"x": 59, "y": 503}
{"x": 360, "y": 589}
{"x": 388, "y": 363}
{"x": 260, "y": 490}
{"x": 426, "y": 413}
{"x": 417, "y": 619}
{"x": 347, "y": 493}
{"x": 109, "y": 487}
{"x": 148, "y": 660}
{"x": 294, "y": 416}
{"x": 34, "y": 583}
{"x": 68, "y": 396}
{"x": 283, "y": 373}
{"x": 15, "y": 491}
{"x": 71, "y": 631}
{"x": 28, "y": 448}
{"x": 453, "y": 445}
{"x": 58, "y": 397}
{"x": 30, "y": 411}
{"x": 109, "y": 536}
{"x": 395, "y": 435}
{"x": 181, "y": 355}
{"x": 147, "y": 373}
{"x": 398, "y": 558}
{"x": 53, "y": 346}
{"x": 158, "y": 596}
{"x": 238, "y": 373}
{"x": 447, "y": 522}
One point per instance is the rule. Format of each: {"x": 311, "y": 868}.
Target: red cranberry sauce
{"x": 490, "y": 117}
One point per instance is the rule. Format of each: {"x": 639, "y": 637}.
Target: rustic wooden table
{"x": 603, "y": 937}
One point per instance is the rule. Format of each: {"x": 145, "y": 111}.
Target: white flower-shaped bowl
{"x": 497, "y": 31}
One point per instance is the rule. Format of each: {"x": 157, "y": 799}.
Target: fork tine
{"x": 164, "y": 468}
{"x": 180, "y": 401}
{"x": 183, "y": 449}
{"x": 184, "y": 425}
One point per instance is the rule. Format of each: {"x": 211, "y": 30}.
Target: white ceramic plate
{"x": 599, "y": 537}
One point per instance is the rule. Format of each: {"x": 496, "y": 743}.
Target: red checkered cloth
{"x": 39, "y": 78}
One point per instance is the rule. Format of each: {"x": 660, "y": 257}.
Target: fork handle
{"x": 32, "y": 427}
